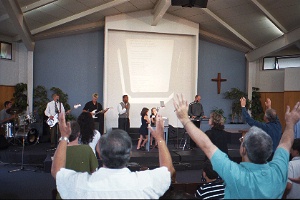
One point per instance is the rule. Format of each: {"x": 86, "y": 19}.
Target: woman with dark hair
{"x": 88, "y": 134}
{"x": 143, "y": 129}
{"x": 217, "y": 134}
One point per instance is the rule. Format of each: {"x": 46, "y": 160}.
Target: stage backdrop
{"x": 148, "y": 63}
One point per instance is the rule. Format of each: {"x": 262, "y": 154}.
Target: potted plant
{"x": 256, "y": 107}
{"x": 236, "y": 111}
{"x": 20, "y": 97}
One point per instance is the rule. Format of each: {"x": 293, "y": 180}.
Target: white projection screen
{"x": 149, "y": 68}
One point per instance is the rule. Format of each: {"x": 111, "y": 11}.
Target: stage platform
{"x": 39, "y": 155}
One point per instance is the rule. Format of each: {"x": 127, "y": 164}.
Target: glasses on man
{"x": 241, "y": 139}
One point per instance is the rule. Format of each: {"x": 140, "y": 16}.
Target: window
{"x": 5, "y": 50}
{"x": 281, "y": 62}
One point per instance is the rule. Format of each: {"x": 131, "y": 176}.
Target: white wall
{"x": 273, "y": 80}
{"x": 291, "y": 79}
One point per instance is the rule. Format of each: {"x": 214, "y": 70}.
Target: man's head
{"x": 295, "y": 150}
{"x": 125, "y": 98}
{"x": 208, "y": 171}
{"x": 197, "y": 98}
{"x": 55, "y": 97}
{"x": 257, "y": 144}
{"x": 270, "y": 115}
{"x": 94, "y": 97}
{"x": 115, "y": 148}
{"x": 75, "y": 131}
{"x": 7, "y": 104}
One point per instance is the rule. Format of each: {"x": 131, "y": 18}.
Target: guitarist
{"x": 94, "y": 107}
{"x": 54, "y": 107}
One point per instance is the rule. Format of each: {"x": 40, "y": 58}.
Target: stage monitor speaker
{"x": 190, "y": 3}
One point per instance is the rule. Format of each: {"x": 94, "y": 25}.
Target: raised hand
{"x": 268, "y": 103}
{"x": 64, "y": 128}
{"x": 158, "y": 133}
{"x": 292, "y": 117}
{"x": 243, "y": 101}
{"x": 181, "y": 108}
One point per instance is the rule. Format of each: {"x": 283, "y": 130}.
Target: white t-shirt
{"x": 113, "y": 184}
{"x": 294, "y": 172}
{"x": 95, "y": 140}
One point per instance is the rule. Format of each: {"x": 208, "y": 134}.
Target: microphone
{"x": 57, "y": 100}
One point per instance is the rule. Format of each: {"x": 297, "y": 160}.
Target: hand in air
{"x": 64, "y": 128}
{"x": 181, "y": 107}
{"x": 158, "y": 133}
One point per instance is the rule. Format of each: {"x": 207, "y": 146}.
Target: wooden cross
{"x": 219, "y": 80}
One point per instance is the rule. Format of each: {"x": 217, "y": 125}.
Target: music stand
{"x": 22, "y": 164}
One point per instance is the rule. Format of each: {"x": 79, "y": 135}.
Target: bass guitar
{"x": 52, "y": 122}
{"x": 94, "y": 113}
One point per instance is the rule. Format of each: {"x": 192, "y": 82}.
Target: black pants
{"x": 54, "y": 135}
{"x": 192, "y": 143}
{"x": 123, "y": 123}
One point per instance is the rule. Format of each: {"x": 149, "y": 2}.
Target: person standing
{"x": 88, "y": 134}
{"x": 153, "y": 122}
{"x": 297, "y": 130}
{"x": 143, "y": 129}
{"x": 195, "y": 112}
{"x": 53, "y": 108}
{"x": 123, "y": 109}
{"x": 292, "y": 190}
{"x": 271, "y": 126}
{"x": 96, "y": 109}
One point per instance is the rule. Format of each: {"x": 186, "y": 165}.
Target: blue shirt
{"x": 253, "y": 181}
{"x": 273, "y": 129}
{"x": 297, "y": 130}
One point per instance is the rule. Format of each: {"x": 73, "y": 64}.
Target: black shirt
{"x": 90, "y": 106}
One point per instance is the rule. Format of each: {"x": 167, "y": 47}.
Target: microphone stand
{"x": 22, "y": 164}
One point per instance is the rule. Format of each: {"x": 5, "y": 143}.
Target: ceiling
{"x": 256, "y": 27}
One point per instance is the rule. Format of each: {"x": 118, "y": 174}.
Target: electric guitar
{"x": 52, "y": 122}
{"x": 94, "y": 113}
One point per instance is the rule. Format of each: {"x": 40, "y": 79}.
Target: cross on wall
{"x": 219, "y": 80}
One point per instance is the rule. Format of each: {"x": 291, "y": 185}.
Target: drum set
{"x": 20, "y": 127}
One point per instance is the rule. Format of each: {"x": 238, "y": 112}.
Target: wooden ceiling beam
{"x": 223, "y": 23}
{"x": 280, "y": 43}
{"x": 160, "y": 10}
{"x": 16, "y": 16}
{"x": 224, "y": 42}
{"x": 78, "y": 16}
{"x": 270, "y": 16}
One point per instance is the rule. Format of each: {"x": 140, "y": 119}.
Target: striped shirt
{"x": 212, "y": 190}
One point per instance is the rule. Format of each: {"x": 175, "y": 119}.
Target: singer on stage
{"x": 54, "y": 107}
{"x": 123, "y": 109}
{"x": 195, "y": 112}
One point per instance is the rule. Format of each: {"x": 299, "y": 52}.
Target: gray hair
{"x": 271, "y": 115}
{"x": 115, "y": 148}
{"x": 258, "y": 144}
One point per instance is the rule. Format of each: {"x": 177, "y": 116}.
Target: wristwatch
{"x": 64, "y": 138}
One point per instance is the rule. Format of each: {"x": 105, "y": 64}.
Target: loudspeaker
{"x": 190, "y": 3}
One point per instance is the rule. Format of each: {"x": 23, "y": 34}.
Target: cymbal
{"x": 13, "y": 111}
